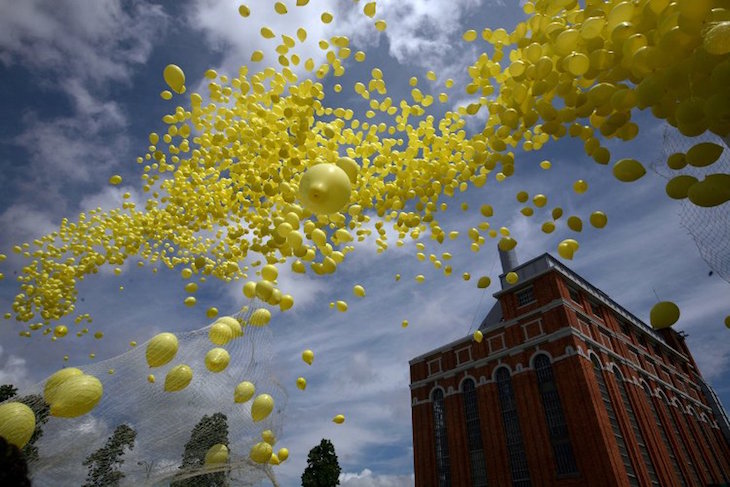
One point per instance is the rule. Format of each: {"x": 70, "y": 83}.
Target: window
{"x": 625, "y": 329}
{"x": 635, "y": 427}
{"x": 557, "y": 427}
{"x": 633, "y": 481}
{"x": 525, "y": 296}
{"x": 574, "y": 294}
{"x": 463, "y": 355}
{"x": 642, "y": 341}
{"x": 442, "y": 443}
{"x": 596, "y": 309}
{"x": 663, "y": 434}
{"x": 515, "y": 446}
{"x": 434, "y": 366}
{"x": 680, "y": 442}
{"x": 474, "y": 435}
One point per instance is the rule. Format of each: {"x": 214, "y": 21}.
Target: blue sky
{"x": 82, "y": 83}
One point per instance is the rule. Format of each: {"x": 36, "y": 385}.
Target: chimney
{"x": 508, "y": 259}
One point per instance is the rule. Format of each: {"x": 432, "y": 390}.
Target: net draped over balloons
{"x": 262, "y": 171}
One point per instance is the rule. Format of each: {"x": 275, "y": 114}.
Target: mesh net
{"x": 709, "y": 227}
{"x": 170, "y": 432}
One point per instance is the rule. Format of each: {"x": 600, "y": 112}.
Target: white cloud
{"x": 367, "y": 479}
{"x": 13, "y": 370}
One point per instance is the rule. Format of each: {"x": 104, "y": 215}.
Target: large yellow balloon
{"x": 260, "y": 317}
{"x": 217, "y": 359}
{"x": 49, "y": 391}
{"x": 663, "y": 315}
{"x": 161, "y": 349}
{"x": 598, "y": 219}
{"x": 308, "y": 356}
{"x": 478, "y": 336}
{"x": 324, "y": 189}
{"x": 339, "y": 419}
{"x": 283, "y": 454}
{"x": 511, "y": 278}
{"x": 17, "y": 423}
{"x": 216, "y": 454}
{"x": 261, "y": 452}
{"x": 174, "y": 77}
{"x": 244, "y": 391}
{"x": 178, "y": 378}
{"x": 301, "y": 383}
{"x": 233, "y": 324}
{"x": 628, "y": 170}
{"x": 220, "y": 333}
{"x": 350, "y": 167}
{"x": 76, "y": 396}
{"x": 262, "y": 407}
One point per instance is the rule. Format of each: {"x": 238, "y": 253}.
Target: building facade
{"x": 567, "y": 388}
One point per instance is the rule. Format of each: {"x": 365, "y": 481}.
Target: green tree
{"x": 42, "y": 411}
{"x": 104, "y": 463}
{"x": 209, "y": 431}
{"x": 322, "y": 470}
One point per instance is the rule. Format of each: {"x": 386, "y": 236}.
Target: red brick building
{"x": 567, "y": 388}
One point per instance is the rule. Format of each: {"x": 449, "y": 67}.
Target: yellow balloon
{"x": 628, "y": 170}
{"x": 358, "y": 291}
{"x": 174, "y": 77}
{"x": 478, "y": 336}
{"x": 220, "y": 333}
{"x": 727, "y": 321}
{"x": 217, "y": 359}
{"x": 678, "y": 187}
{"x": 308, "y": 356}
{"x": 244, "y": 391}
{"x": 350, "y": 167}
{"x": 714, "y": 190}
{"x": 264, "y": 290}
{"x": 269, "y": 437}
{"x": 161, "y": 349}
{"x": 664, "y": 315}
{"x": 580, "y": 186}
{"x": 287, "y": 301}
{"x": 151, "y": 378}
{"x": 269, "y": 272}
{"x": 260, "y": 317}
{"x": 261, "y": 452}
{"x": 511, "y": 278}
{"x": 484, "y": 282}
{"x": 301, "y": 383}
{"x": 17, "y": 423}
{"x": 60, "y": 331}
{"x": 231, "y": 323}
{"x": 49, "y": 391}
{"x": 324, "y": 189}
{"x": 506, "y": 244}
{"x": 341, "y": 306}
{"x": 566, "y": 250}
{"x": 598, "y": 219}
{"x": 283, "y": 454}
{"x": 703, "y": 154}
{"x": 575, "y": 223}
{"x": 178, "y": 378}
{"x": 216, "y": 454}
{"x": 262, "y": 407}
{"x": 76, "y": 396}
{"x": 274, "y": 460}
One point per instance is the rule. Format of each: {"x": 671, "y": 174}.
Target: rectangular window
{"x": 642, "y": 341}
{"x": 574, "y": 294}
{"x": 525, "y": 296}
{"x": 434, "y": 366}
{"x": 596, "y": 309}
{"x": 625, "y": 329}
{"x": 463, "y": 355}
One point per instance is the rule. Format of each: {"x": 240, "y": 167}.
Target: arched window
{"x": 663, "y": 434}
{"x": 630, "y": 472}
{"x": 635, "y": 427}
{"x": 557, "y": 427}
{"x": 515, "y": 446}
{"x": 693, "y": 434}
{"x": 474, "y": 435}
{"x": 442, "y": 442}
{"x": 681, "y": 443}
{"x": 711, "y": 445}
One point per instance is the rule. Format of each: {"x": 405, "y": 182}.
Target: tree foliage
{"x": 323, "y": 469}
{"x": 40, "y": 408}
{"x": 104, "y": 463}
{"x": 209, "y": 431}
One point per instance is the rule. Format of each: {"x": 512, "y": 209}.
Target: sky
{"x": 83, "y": 79}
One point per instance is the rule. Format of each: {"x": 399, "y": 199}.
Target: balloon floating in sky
{"x": 76, "y": 396}
{"x": 324, "y": 189}
{"x": 262, "y": 407}
{"x": 339, "y": 419}
{"x": 308, "y": 356}
{"x": 663, "y": 315}
{"x": 178, "y": 378}
{"x": 216, "y": 454}
{"x": 478, "y": 336}
{"x": 175, "y": 78}
{"x": 217, "y": 359}
{"x": 261, "y": 452}
{"x": 244, "y": 391}
{"x": 161, "y": 349}
{"x": 301, "y": 383}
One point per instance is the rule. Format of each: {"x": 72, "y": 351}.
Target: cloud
{"x": 13, "y": 370}
{"x": 367, "y": 479}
